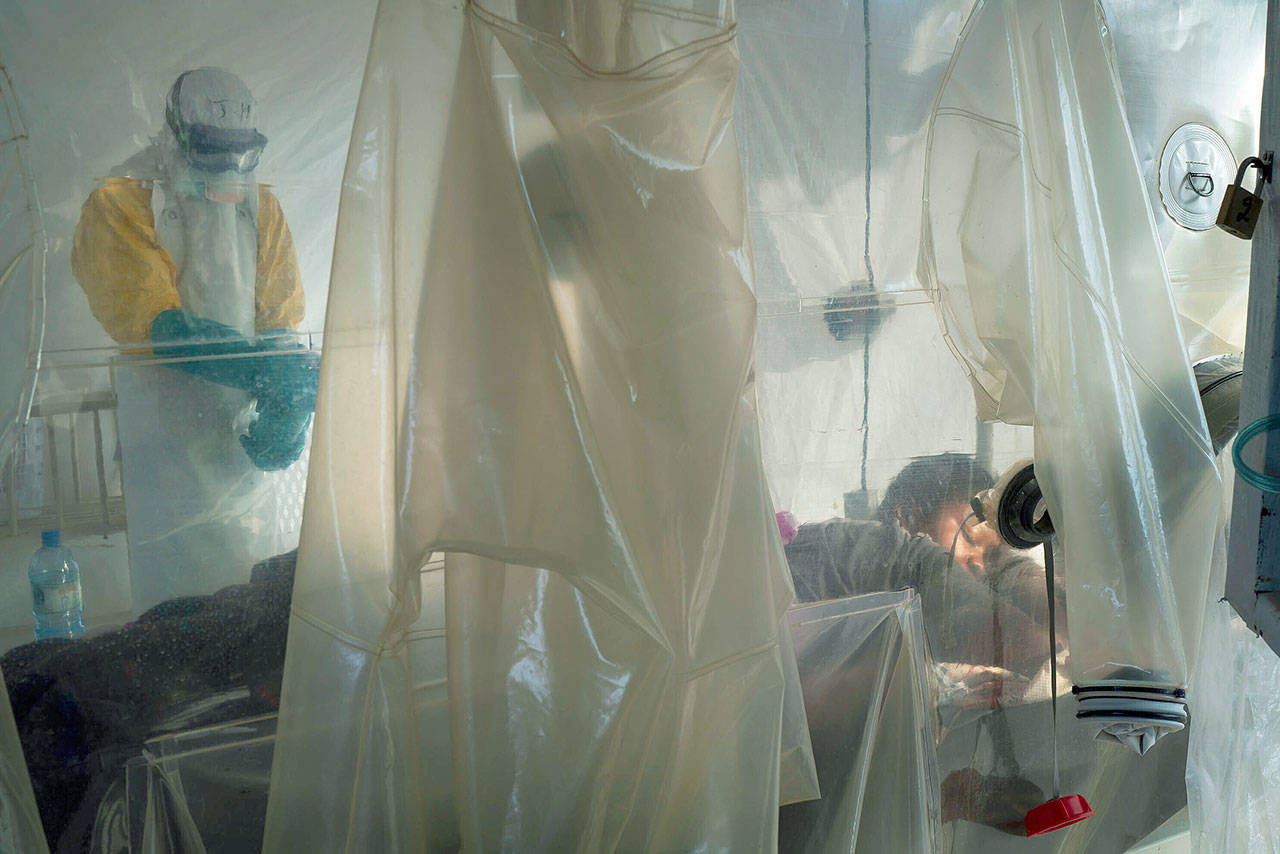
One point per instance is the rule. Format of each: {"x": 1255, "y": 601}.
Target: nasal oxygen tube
{"x": 1014, "y": 507}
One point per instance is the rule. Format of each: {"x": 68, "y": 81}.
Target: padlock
{"x": 1240, "y": 208}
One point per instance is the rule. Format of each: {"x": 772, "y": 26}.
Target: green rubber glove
{"x": 277, "y": 438}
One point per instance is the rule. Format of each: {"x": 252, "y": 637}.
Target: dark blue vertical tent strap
{"x": 866, "y": 89}
{"x": 866, "y": 237}
{"x": 866, "y": 403}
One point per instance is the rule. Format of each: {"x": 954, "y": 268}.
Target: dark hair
{"x": 918, "y": 492}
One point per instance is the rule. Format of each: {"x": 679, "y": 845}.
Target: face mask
{"x": 226, "y": 186}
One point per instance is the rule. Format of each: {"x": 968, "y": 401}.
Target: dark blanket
{"x": 83, "y": 707}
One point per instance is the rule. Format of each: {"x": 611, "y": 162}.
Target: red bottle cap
{"x": 1057, "y": 814}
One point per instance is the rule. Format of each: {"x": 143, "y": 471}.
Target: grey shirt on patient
{"x": 996, "y": 616}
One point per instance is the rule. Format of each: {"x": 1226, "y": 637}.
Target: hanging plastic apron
{"x": 199, "y": 513}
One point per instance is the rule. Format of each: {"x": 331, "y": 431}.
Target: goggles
{"x": 214, "y": 149}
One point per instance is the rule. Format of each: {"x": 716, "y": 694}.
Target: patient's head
{"x": 930, "y": 496}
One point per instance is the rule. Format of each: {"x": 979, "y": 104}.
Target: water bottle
{"x": 57, "y": 603}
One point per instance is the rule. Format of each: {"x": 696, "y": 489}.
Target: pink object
{"x": 788, "y": 527}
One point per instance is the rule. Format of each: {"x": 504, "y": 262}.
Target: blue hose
{"x": 1250, "y": 475}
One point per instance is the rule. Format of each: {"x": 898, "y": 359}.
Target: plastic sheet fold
{"x": 23, "y": 246}
{"x": 20, "y": 828}
{"x": 1042, "y": 252}
{"x": 1233, "y": 769}
{"x": 1233, "y": 774}
{"x": 538, "y": 352}
{"x": 865, "y": 671}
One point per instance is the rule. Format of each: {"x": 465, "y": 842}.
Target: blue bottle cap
{"x": 51, "y": 538}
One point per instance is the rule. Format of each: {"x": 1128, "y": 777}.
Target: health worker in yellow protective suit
{"x": 180, "y": 251}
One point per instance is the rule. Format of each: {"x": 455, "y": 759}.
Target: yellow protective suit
{"x": 129, "y": 277}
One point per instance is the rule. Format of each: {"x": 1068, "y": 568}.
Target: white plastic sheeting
{"x": 1195, "y": 62}
{"x": 1042, "y": 250}
{"x": 833, "y": 108}
{"x": 985, "y": 625}
{"x": 538, "y": 352}
{"x": 1233, "y": 772}
{"x": 20, "y": 828}
{"x": 832, "y": 111}
{"x": 178, "y": 794}
{"x": 997, "y": 762}
{"x": 830, "y": 114}
{"x": 22, "y": 265}
{"x": 865, "y": 674}
{"x": 1233, "y": 768}
{"x": 200, "y": 513}
{"x": 834, "y": 105}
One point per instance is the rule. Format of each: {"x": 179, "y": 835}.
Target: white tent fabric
{"x": 833, "y": 107}
{"x": 538, "y": 354}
